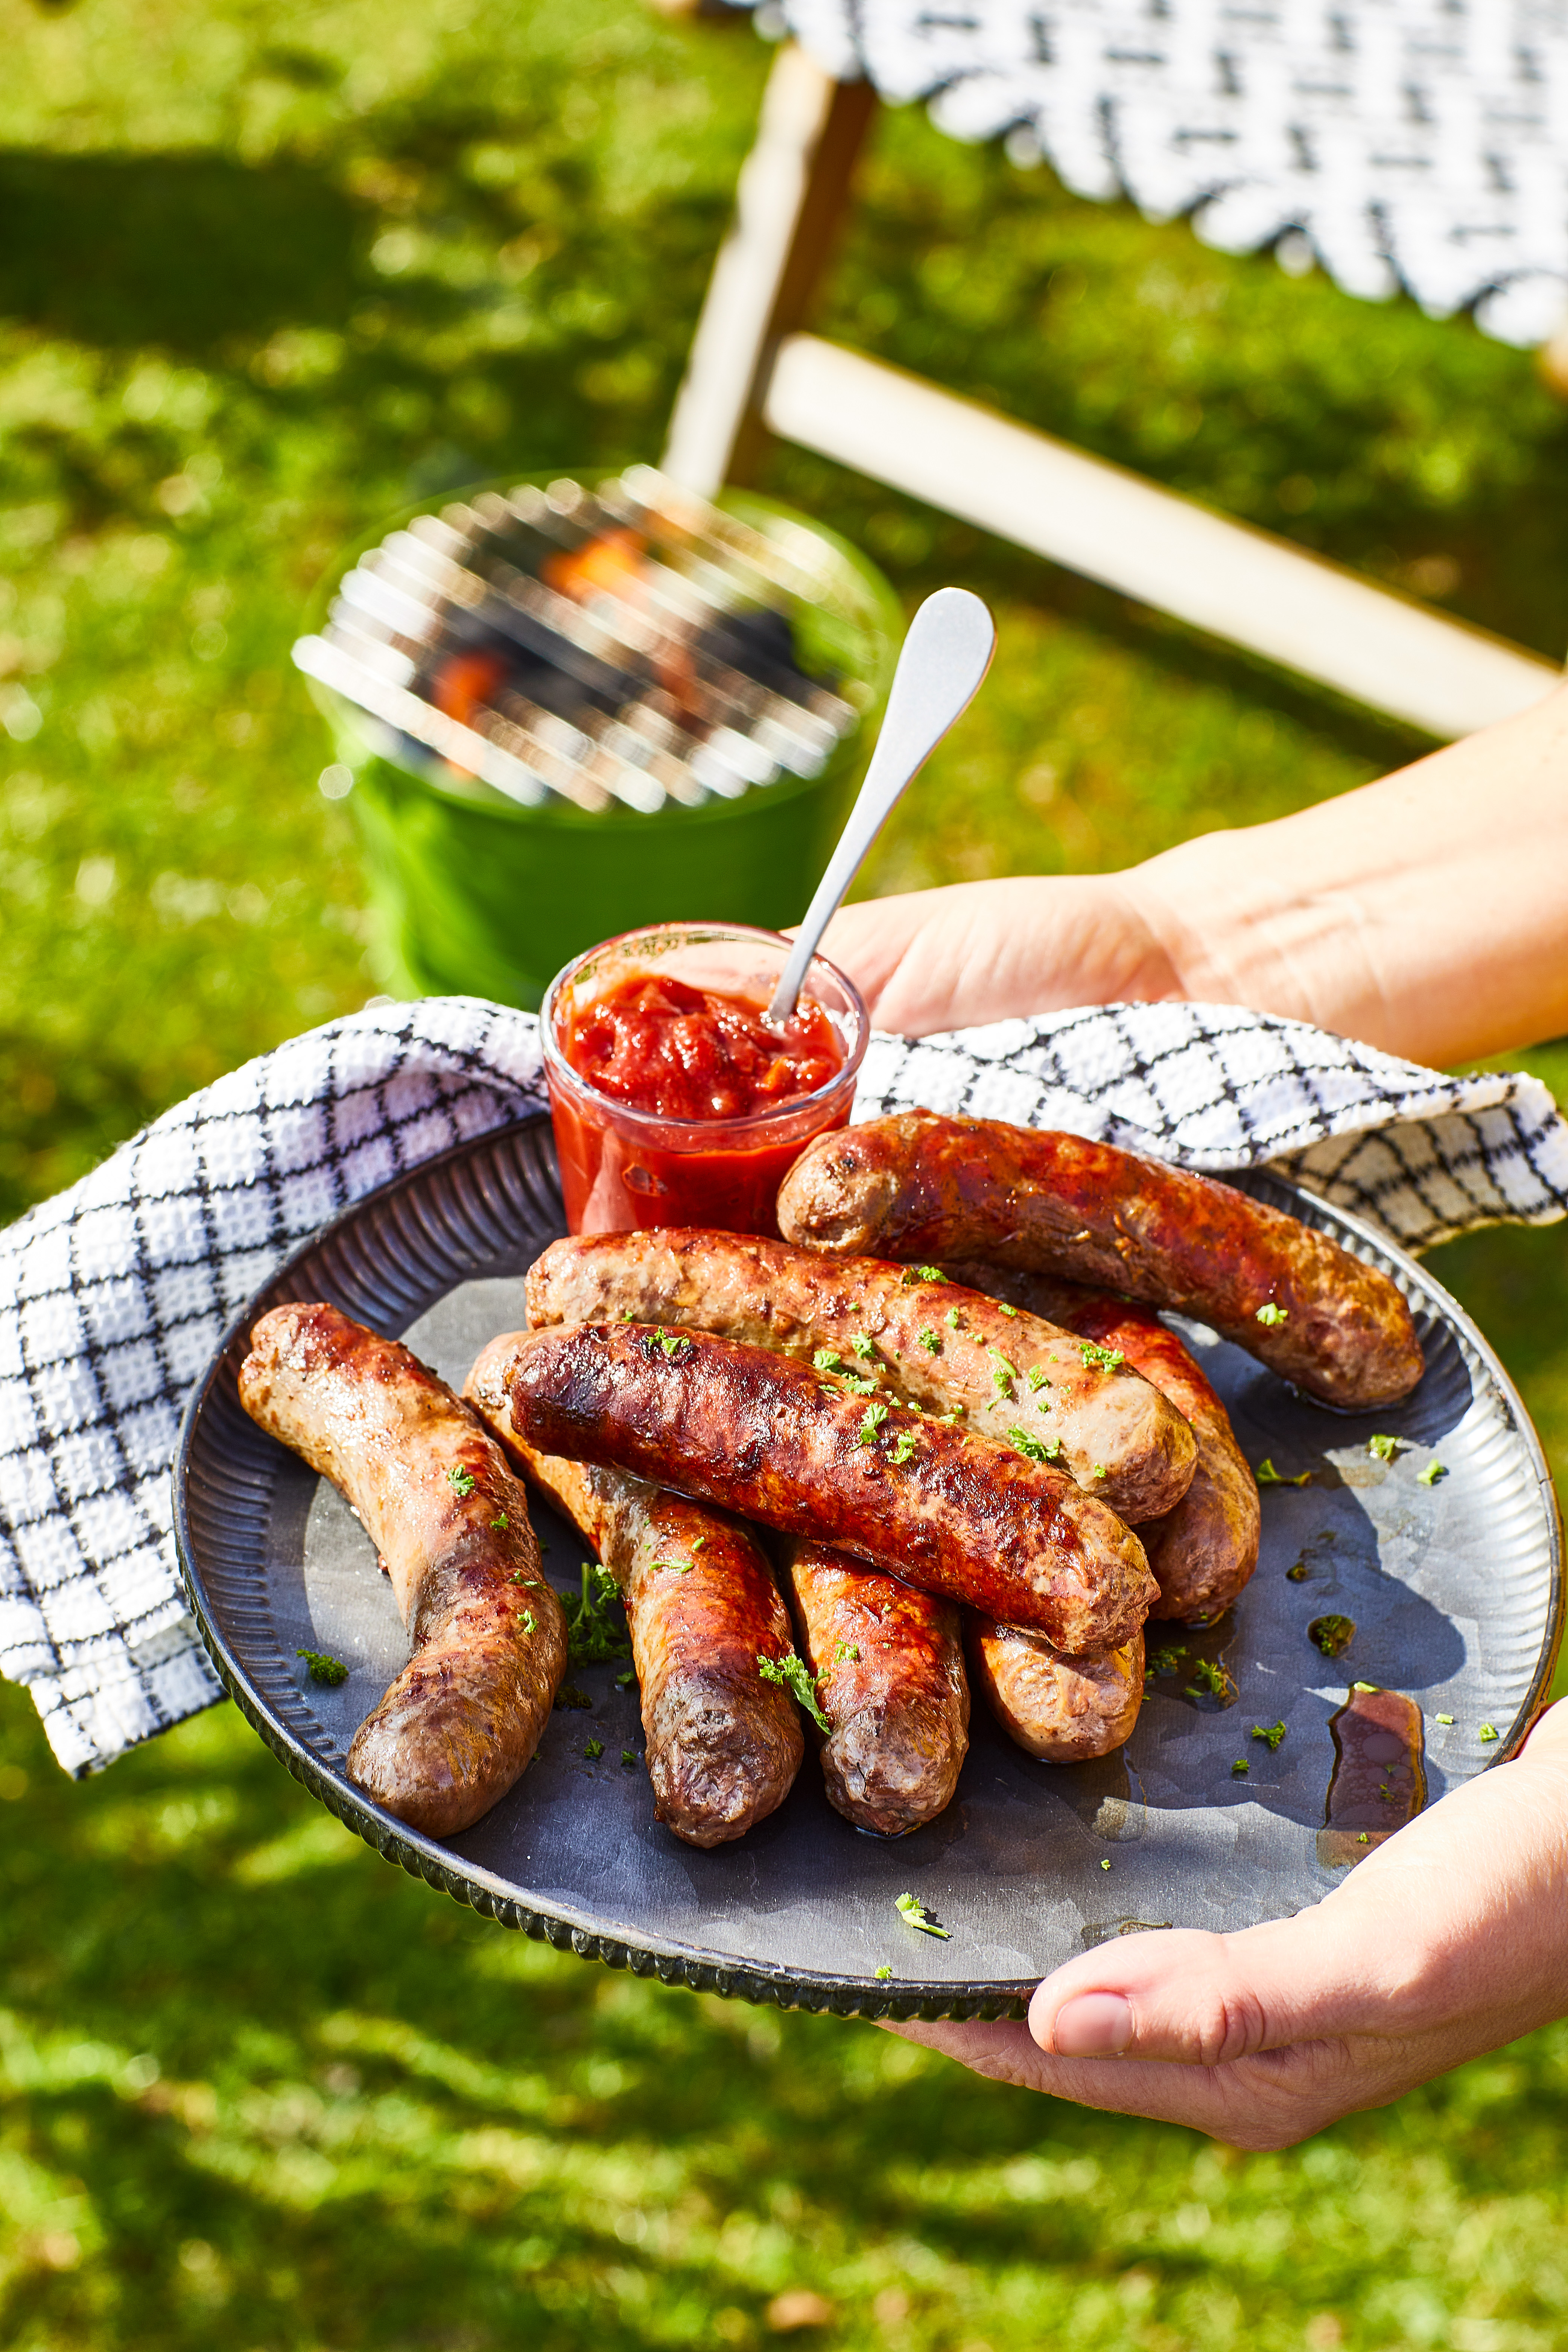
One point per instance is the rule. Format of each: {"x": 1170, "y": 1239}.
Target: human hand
{"x": 989, "y": 950}
{"x": 1445, "y": 1943}
{"x": 1422, "y": 914}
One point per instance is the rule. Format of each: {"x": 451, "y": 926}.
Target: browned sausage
{"x": 1204, "y": 1552}
{"x": 1012, "y": 1376}
{"x": 722, "y": 1745}
{"x": 889, "y": 1666}
{"x": 763, "y": 1436}
{"x": 922, "y": 1187}
{"x": 1063, "y": 1709}
{"x": 437, "y": 1498}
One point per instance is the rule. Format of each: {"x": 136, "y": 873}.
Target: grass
{"x": 265, "y": 275}
{"x": 257, "y": 2089}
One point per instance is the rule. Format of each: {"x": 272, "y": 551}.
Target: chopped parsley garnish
{"x": 914, "y": 1914}
{"x": 792, "y": 1674}
{"x": 462, "y": 1480}
{"x": 1430, "y": 1476}
{"x": 951, "y": 1319}
{"x": 1035, "y": 1449}
{"x": 1270, "y": 1734}
{"x": 847, "y": 1651}
{"x": 594, "y": 1750}
{"x": 1300, "y": 1573}
{"x": 883, "y": 1973}
{"x": 323, "y": 1669}
{"x": 871, "y": 1422}
{"x": 525, "y": 1619}
{"x": 569, "y": 1697}
{"x": 1487, "y": 1731}
{"x": 1444, "y": 1719}
{"x": 595, "y": 1628}
{"x": 931, "y": 1274}
{"x": 1099, "y": 1471}
{"x": 1002, "y": 1373}
{"x": 676, "y": 1567}
{"x": 1267, "y": 1476}
{"x": 903, "y": 1447}
{"x": 698, "y": 1542}
{"x": 674, "y": 1343}
{"x": 828, "y": 1360}
{"x": 1002, "y": 1308}
{"x": 628, "y": 1757}
{"x": 1331, "y": 1634}
{"x": 864, "y": 1347}
{"x": 1385, "y": 1448}
{"x": 1105, "y": 1865}
{"x": 1108, "y": 1360}
{"x": 1240, "y": 1768}
{"x": 1036, "y": 1379}
{"x": 1165, "y": 1661}
{"x": 501, "y": 1522}
{"x": 1271, "y": 1315}
{"x": 1208, "y": 1680}
{"x": 931, "y": 1343}
{"x": 627, "y": 1676}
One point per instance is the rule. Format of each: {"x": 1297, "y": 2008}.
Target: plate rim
{"x": 648, "y": 1955}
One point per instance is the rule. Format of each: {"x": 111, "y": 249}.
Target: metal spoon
{"x": 945, "y": 656}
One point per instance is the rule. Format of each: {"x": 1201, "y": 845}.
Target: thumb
{"x": 1198, "y": 2000}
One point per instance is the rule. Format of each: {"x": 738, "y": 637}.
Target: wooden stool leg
{"x": 792, "y": 193}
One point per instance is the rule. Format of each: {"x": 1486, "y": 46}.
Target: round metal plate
{"x": 1455, "y": 1589}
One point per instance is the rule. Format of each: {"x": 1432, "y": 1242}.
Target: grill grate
{"x": 628, "y": 645}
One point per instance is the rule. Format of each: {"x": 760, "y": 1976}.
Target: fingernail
{"x": 1093, "y": 2025}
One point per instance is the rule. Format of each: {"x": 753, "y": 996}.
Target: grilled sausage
{"x": 763, "y": 1436}
{"x": 451, "y": 1521}
{"x": 927, "y": 1341}
{"x": 1063, "y": 1709}
{"x": 723, "y": 1746}
{"x": 889, "y": 1666}
{"x": 923, "y": 1187}
{"x": 1204, "y": 1552}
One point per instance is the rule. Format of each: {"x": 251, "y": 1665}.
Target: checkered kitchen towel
{"x": 114, "y": 1296}
{"x": 1402, "y": 143}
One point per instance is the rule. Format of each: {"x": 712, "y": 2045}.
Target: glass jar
{"x": 621, "y": 1165}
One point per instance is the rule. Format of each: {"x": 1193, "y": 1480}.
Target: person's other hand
{"x": 988, "y": 951}
{"x": 1447, "y": 1942}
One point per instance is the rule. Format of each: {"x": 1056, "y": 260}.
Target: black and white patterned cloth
{"x": 1403, "y": 143}
{"x": 114, "y": 1295}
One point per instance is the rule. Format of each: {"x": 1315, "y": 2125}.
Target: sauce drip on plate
{"x": 1379, "y": 1782}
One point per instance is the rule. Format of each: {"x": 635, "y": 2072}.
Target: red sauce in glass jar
{"x": 660, "y": 1045}
{"x": 721, "y": 1105}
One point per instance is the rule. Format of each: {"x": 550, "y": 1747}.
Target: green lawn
{"x": 265, "y": 275}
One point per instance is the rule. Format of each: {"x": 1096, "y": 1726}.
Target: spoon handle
{"x": 945, "y": 655}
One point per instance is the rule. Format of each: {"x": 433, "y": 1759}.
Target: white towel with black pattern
{"x": 114, "y": 1295}
{"x": 1403, "y": 144}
